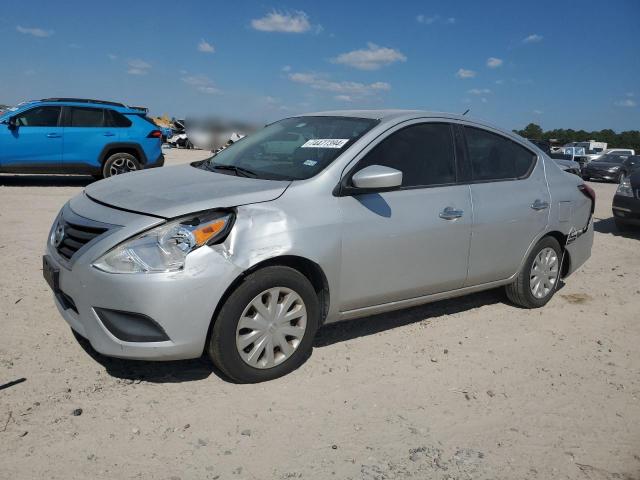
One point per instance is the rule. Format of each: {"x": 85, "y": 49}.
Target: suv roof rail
{"x": 84, "y": 100}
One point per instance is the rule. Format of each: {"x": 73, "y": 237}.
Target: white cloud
{"x": 138, "y": 67}
{"x": 479, "y": 91}
{"x": 112, "y": 56}
{"x": 538, "y": 112}
{"x": 296, "y": 22}
{"x": 286, "y": 68}
{"x": 36, "y": 32}
{"x": 425, "y": 20}
{"x": 201, "y": 83}
{"x": 346, "y": 88}
{"x": 462, "y": 73}
{"x": 533, "y": 38}
{"x": 626, "y": 103}
{"x": 205, "y": 47}
{"x": 371, "y": 58}
{"x": 344, "y": 98}
{"x": 493, "y": 62}
{"x": 499, "y": 82}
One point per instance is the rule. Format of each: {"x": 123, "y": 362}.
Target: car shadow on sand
{"x": 137, "y": 371}
{"x": 608, "y": 225}
{"x": 9, "y": 180}
{"x": 348, "y": 330}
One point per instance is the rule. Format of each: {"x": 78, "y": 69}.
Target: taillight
{"x": 155, "y": 134}
{"x": 590, "y": 193}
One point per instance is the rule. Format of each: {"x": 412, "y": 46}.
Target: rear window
{"x": 494, "y": 157}
{"x": 86, "y": 117}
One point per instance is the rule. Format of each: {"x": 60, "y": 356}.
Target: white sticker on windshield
{"x": 310, "y": 163}
{"x": 325, "y": 143}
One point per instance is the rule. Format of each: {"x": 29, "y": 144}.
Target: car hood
{"x": 175, "y": 191}
{"x": 603, "y": 165}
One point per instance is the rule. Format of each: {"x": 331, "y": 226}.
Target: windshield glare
{"x": 291, "y": 149}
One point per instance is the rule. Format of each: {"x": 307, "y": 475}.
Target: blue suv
{"x": 71, "y": 135}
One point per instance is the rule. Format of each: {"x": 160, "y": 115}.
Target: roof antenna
{"x": 466, "y": 111}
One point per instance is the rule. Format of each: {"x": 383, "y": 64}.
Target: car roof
{"x": 81, "y": 102}
{"x": 397, "y": 115}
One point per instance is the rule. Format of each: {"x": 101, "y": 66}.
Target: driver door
{"x": 412, "y": 241}
{"x": 35, "y": 144}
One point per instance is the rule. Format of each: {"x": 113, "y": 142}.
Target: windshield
{"x": 612, "y": 158}
{"x": 291, "y": 149}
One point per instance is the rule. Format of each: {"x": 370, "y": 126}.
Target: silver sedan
{"x": 314, "y": 219}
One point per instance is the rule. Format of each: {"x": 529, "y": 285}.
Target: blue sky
{"x": 562, "y": 64}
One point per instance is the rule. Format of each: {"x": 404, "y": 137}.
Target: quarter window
{"x": 424, "y": 153}
{"x": 116, "y": 119}
{"x": 86, "y": 117}
{"x": 46, "y": 116}
{"x": 494, "y": 157}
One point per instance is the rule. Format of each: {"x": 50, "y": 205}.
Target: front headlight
{"x": 165, "y": 248}
{"x": 624, "y": 189}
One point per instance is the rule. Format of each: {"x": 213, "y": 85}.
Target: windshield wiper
{"x": 239, "y": 171}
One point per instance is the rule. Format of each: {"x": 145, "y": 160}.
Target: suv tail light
{"x": 590, "y": 193}
{"x": 155, "y": 134}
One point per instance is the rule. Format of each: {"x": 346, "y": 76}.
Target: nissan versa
{"x": 313, "y": 219}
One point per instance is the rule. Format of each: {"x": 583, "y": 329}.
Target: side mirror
{"x": 377, "y": 178}
{"x": 11, "y": 123}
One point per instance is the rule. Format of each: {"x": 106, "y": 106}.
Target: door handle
{"x": 450, "y": 213}
{"x": 53, "y": 135}
{"x": 109, "y": 134}
{"x": 539, "y": 204}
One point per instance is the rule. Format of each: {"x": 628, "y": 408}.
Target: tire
{"x": 520, "y": 291}
{"x": 253, "y": 364}
{"x": 120, "y": 163}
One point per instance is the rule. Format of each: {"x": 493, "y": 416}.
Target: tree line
{"x": 627, "y": 139}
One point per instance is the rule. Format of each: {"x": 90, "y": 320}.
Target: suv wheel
{"x": 265, "y": 328}
{"x": 119, "y": 163}
{"x": 538, "y": 280}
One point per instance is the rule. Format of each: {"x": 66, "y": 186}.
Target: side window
{"x": 115, "y": 119}
{"x": 494, "y": 157}
{"x": 86, "y": 117}
{"x": 424, "y": 153}
{"x": 46, "y": 116}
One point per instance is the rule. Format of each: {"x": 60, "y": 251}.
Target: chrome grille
{"x": 75, "y": 237}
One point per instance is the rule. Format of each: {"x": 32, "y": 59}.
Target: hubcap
{"x": 544, "y": 273}
{"x": 271, "y": 327}
{"x": 122, "y": 165}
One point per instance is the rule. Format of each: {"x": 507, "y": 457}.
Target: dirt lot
{"x": 466, "y": 388}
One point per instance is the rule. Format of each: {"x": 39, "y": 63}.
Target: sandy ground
{"x": 467, "y": 388}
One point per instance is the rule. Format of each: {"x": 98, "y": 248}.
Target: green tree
{"x": 532, "y": 131}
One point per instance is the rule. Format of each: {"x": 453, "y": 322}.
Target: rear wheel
{"x": 120, "y": 163}
{"x": 538, "y": 280}
{"x": 265, "y": 328}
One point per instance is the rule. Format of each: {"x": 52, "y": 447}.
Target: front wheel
{"x": 265, "y": 328}
{"x": 538, "y": 280}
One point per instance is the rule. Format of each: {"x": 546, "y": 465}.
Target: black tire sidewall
{"x": 222, "y": 344}
{"x": 546, "y": 242}
{"x": 107, "y": 164}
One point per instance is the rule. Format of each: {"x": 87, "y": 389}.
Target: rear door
{"x": 510, "y": 203}
{"x": 86, "y": 134}
{"x": 413, "y": 241}
{"x": 35, "y": 145}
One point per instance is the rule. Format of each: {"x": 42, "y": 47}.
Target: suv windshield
{"x": 291, "y": 149}
{"x": 612, "y": 158}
